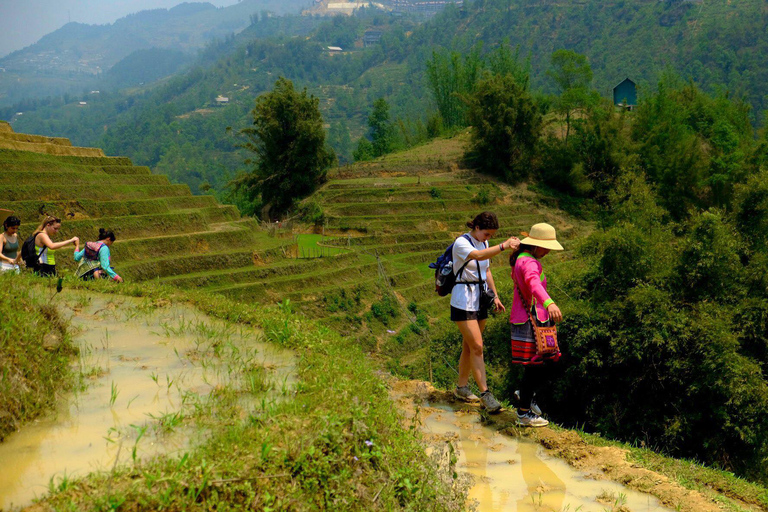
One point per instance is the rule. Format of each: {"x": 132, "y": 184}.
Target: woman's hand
{"x": 511, "y": 243}
{"x": 497, "y": 305}
{"x": 117, "y": 279}
{"x": 554, "y": 313}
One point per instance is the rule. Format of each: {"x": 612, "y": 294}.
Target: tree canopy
{"x": 287, "y": 139}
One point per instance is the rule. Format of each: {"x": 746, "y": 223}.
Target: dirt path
{"x": 599, "y": 463}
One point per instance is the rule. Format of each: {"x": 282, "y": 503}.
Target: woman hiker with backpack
{"x": 530, "y": 293}
{"x": 41, "y": 256}
{"x": 472, "y": 296}
{"x": 95, "y": 259}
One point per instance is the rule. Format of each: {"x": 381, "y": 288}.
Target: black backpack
{"x": 445, "y": 279}
{"x": 29, "y": 252}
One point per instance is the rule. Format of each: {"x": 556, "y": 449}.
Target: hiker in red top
{"x": 531, "y": 300}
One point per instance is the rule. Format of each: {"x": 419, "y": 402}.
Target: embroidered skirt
{"x": 524, "y": 345}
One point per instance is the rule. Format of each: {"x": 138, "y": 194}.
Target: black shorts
{"x": 460, "y": 315}
{"x": 45, "y": 270}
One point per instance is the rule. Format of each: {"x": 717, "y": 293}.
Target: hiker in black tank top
{"x": 10, "y": 255}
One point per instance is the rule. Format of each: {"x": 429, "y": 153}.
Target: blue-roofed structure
{"x": 625, "y": 94}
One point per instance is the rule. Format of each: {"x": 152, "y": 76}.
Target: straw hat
{"x": 543, "y": 235}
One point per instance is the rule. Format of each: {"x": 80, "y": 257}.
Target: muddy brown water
{"x": 142, "y": 364}
{"x": 516, "y": 474}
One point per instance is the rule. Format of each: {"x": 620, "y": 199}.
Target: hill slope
{"x": 73, "y": 56}
{"x": 162, "y": 228}
{"x": 363, "y": 273}
{"x": 717, "y": 44}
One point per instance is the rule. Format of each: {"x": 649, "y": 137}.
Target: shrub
{"x": 385, "y": 310}
{"x": 311, "y": 212}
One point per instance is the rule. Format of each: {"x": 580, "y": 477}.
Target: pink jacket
{"x": 528, "y": 277}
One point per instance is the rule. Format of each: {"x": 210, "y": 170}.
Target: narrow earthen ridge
{"x": 49, "y": 149}
{"x": 38, "y": 139}
{"x": 59, "y": 146}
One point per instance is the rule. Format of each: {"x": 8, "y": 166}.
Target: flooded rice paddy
{"x": 146, "y": 367}
{"x": 516, "y": 474}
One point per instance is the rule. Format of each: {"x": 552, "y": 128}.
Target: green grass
{"x": 94, "y": 208}
{"x": 185, "y": 264}
{"x": 281, "y": 267}
{"x": 74, "y": 177}
{"x": 41, "y": 139}
{"x": 336, "y": 441}
{"x": 445, "y": 193}
{"x": 12, "y": 155}
{"x": 383, "y": 182}
{"x": 42, "y": 167}
{"x": 32, "y": 375}
{"x": 64, "y": 192}
{"x": 238, "y": 237}
{"x": 139, "y": 226}
{"x": 313, "y": 246}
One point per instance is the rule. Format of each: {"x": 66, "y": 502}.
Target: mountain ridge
{"x": 73, "y": 55}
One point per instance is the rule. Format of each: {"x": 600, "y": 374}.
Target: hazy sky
{"x": 23, "y": 22}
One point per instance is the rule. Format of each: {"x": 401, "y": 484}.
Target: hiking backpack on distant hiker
{"x": 445, "y": 279}
{"x": 92, "y": 250}
{"x": 29, "y": 251}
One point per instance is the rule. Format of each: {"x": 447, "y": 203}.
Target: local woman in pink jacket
{"x": 531, "y": 292}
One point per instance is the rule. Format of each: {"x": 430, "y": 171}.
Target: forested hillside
{"x": 77, "y": 55}
{"x": 173, "y": 129}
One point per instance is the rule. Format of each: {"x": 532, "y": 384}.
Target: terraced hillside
{"x": 162, "y": 229}
{"x": 364, "y": 270}
{"x": 382, "y": 223}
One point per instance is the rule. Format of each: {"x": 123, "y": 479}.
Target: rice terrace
{"x": 289, "y": 255}
{"x": 366, "y": 277}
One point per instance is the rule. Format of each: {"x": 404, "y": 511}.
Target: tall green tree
{"x": 381, "y": 129}
{"x": 572, "y": 75}
{"x": 451, "y": 77}
{"x": 288, "y": 143}
{"x": 506, "y": 127}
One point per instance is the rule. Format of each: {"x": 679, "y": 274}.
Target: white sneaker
{"x": 531, "y": 419}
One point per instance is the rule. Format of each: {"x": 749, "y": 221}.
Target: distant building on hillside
{"x": 334, "y": 49}
{"x": 625, "y": 94}
{"x": 221, "y": 100}
{"x": 371, "y": 37}
{"x": 427, "y": 8}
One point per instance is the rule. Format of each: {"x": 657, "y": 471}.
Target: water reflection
{"x": 516, "y": 475}
{"x": 141, "y": 366}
